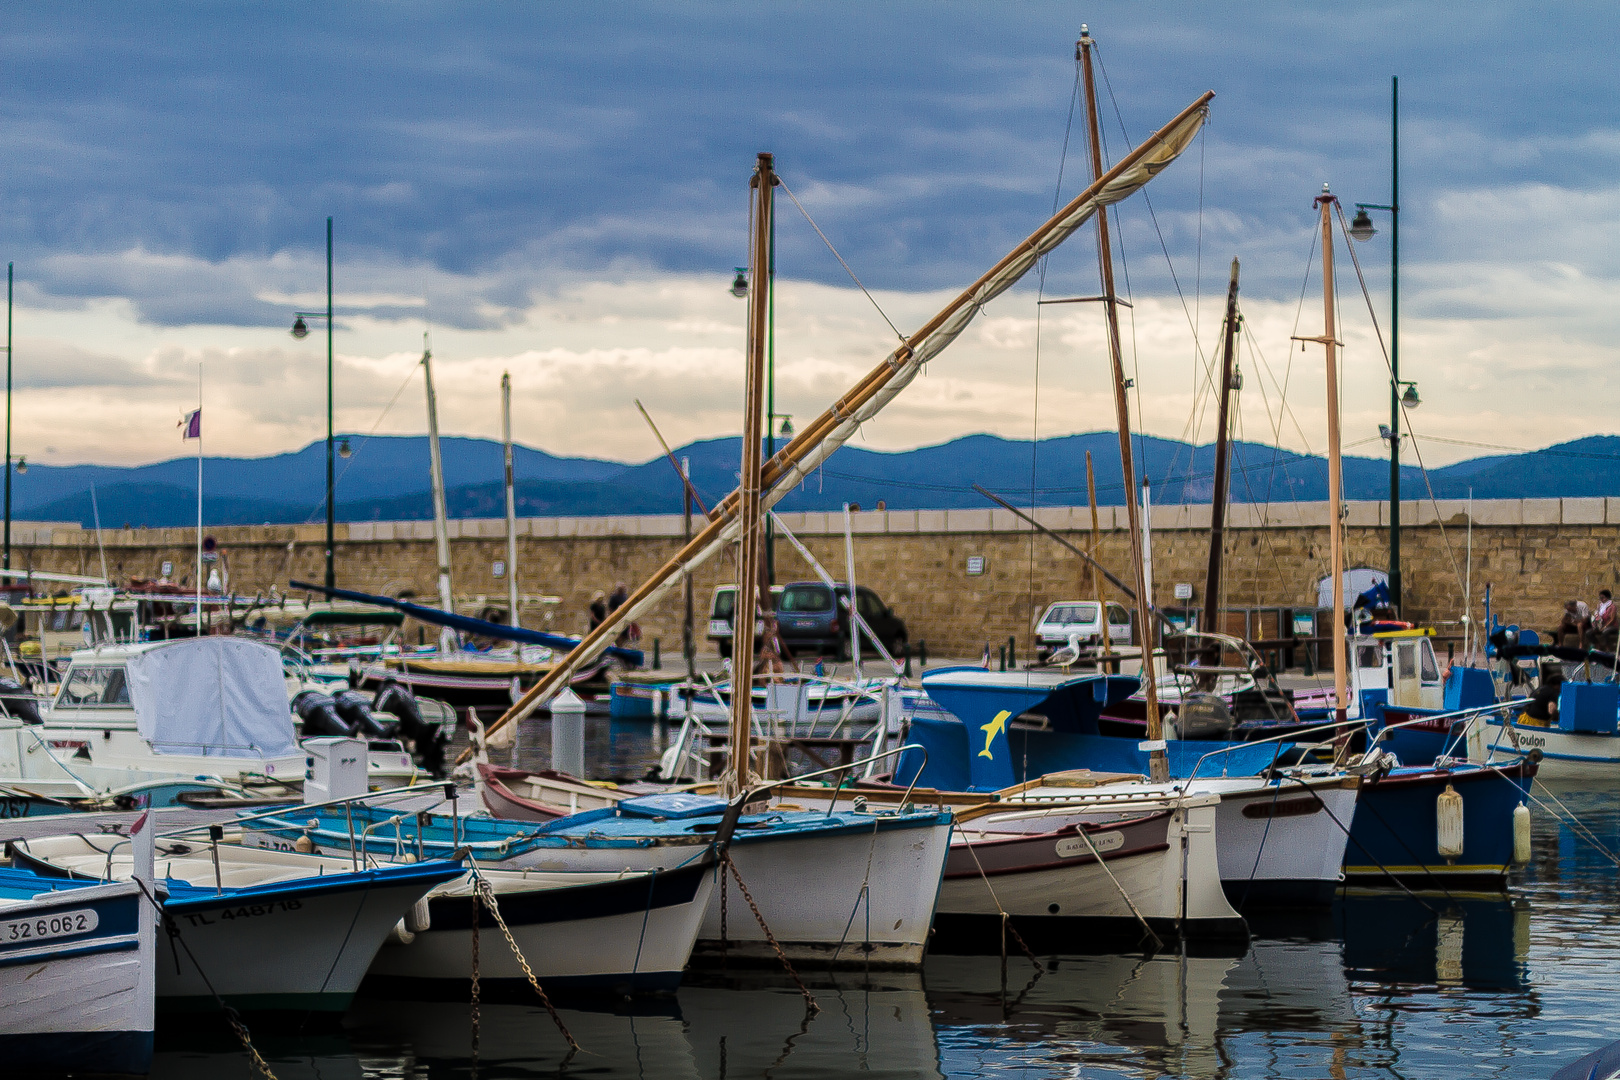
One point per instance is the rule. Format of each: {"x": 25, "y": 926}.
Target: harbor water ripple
{"x": 1384, "y": 985}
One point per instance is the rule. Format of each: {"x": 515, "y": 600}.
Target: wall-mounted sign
{"x": 1304, "y": 624}
{"x": 168, "y": 568}
{"x": 975, "y": 565}
{"x": 499, "y": 568}
{"x": 1183, "y": 591}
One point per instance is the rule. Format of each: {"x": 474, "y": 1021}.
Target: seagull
{"x": 1066, "y": 655}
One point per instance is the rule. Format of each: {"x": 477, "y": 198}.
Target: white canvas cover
{"x": 212, "y": 696}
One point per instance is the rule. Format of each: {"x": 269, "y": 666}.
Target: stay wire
{"x": 783, "y": 185}
{"x": 1406, "y": 417}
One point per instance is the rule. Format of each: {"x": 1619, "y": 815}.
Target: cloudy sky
{"x": 560, "y": 190}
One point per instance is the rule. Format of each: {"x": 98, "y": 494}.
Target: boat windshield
{"x": 94, "y": 686}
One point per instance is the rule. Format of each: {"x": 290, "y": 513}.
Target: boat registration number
{"x": 1074, "y": 846}
{"x": 45, "y": 927}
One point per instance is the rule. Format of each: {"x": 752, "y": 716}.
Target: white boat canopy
{"x": 212, "y": 696}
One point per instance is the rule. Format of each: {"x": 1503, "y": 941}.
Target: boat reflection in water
{"x": 1303, "y": 1000}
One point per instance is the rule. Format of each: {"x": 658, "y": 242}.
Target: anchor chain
{"x": 484, "y": 887}
{"x": 477, "y": 988}
{"x": 809, "y": 999}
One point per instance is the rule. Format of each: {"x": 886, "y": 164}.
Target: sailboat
{"x": 453, "y": 672}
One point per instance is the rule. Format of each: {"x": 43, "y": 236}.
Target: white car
{"x": 1079, "y": 622}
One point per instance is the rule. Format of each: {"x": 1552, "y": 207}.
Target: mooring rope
{"x": 1006, "y": 919}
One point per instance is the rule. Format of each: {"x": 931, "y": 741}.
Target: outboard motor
{"x": 18, "y": 702}
{"x": 319, "y": 715}
{"x": 355, "y": 709}
{"x": 1205, "y": 716}
{"x": 427, "y": 740}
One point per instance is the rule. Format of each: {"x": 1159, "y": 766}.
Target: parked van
{"x": 812, "y": 620}
{"x": 1081, "y": 620}
{"x": 721, "y": 609}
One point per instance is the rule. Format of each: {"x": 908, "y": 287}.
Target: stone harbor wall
{"x": 961, "y": 579}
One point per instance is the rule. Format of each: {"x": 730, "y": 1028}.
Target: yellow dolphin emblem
{"x": 991, "y": 730}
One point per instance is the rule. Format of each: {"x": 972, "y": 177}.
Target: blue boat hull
{"x": 1395, "y": 832}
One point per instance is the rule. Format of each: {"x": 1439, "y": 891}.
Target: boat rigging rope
{"x": 232, "y": 1017}
{"x": 1406, "y": 415}
{"x": 486, "y": 892}
{"x": 1006, "y": 919}
{"x": 809, "y": 999}
{"x": 864, "y": 894}
{"x": 789, "y": 191}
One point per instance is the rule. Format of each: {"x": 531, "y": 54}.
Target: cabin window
{"x": 1406, "y": 661}
{"x": 1431, "y": 669}
{"x": 725, "y": 602}
{"x": 94, "y": 687}
{"x": 1118, "y": 615}
{"x": 1369, "y": 656}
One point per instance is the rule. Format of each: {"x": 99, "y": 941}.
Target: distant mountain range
{"x": 387, "y": 479}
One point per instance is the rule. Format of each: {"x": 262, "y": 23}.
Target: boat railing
{"x": 1278, "y": 740}
{"x": 755, "y": 793}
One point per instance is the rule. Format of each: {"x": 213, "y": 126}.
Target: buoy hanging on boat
{"x": 1521, "y": 834}
{"x": 1448, "y": 821}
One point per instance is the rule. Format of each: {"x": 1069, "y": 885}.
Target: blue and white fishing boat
{"x": 77, "y": 973}
{"x": 312, "y": 933}
{"x": 849, "y": 887}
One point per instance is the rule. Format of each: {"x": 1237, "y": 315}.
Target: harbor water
{"x": 1384, "y": 984}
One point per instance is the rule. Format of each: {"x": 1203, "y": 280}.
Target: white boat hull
{"x": 1565, "y": 755}
{"x": 635, "y": 950}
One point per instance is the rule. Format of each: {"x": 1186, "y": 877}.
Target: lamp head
{"x": 1383, "y": 432}
{"x": 787, "y": 427}
{"x": 1410, "y": 399}
{"x": 1361, "y": 226}
{"x": 344, "y": 450}
{"x": 300, "y": 329}
{"x": 739, "y": 284}
{"x": 22, "y": 464}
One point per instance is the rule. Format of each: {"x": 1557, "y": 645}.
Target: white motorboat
{"x": 136, "y": 712}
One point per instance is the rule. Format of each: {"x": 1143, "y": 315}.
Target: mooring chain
{"x": 809, "y": 999}
{"x": 477, "y": 987}
{"x": 231, "y": 1015}
{"x": 484, "y": 887}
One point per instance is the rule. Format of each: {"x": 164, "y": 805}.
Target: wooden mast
{"x": 874, "y": 389}
{"x": 1096, "y": 574}
{"x": 1158, "y": 760}
{"x": 441, "y": 525}
{"x": 749, "y": 490}
{"x": 1325, "y": 202}
{"x": 511, "y": 502}
{"x": 1210, "y": 622}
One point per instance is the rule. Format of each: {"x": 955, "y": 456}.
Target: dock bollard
{"x": 922, "y": 655}
{"x": 1002, "y": 652}
{"x": 905, "y": 653}
{"x": 658, "y": 661}
{"x": 568, "y": 734}
{"x": 1012, "y": 653}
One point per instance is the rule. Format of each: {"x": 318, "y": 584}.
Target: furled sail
{"x": 817, "y": 440}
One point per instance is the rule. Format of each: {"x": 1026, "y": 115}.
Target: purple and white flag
{"x": 192, "y": 425}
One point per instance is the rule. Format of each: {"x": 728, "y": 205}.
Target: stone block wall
{"x": 1534, "y": 554}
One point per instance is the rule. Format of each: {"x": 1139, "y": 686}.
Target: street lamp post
{"x": 1362, "y": 229}
{"x": 300, "y": 330}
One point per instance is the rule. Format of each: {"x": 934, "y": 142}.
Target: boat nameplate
{"x": 1074, "y": 846}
